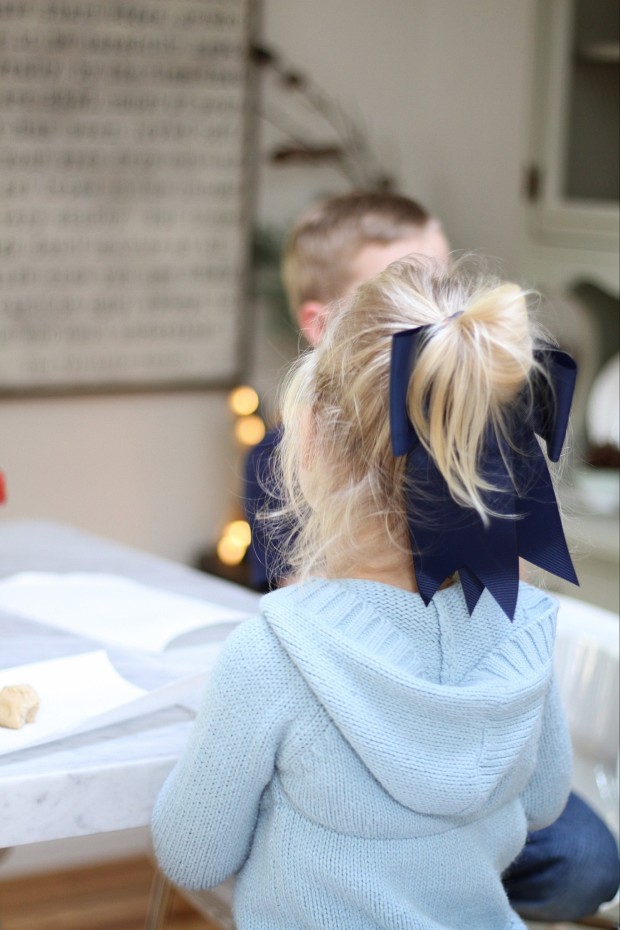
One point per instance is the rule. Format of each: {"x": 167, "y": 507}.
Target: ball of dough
{"x": 18, "y": 705}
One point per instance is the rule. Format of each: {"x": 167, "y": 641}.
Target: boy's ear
{"x": 311, "y": 317}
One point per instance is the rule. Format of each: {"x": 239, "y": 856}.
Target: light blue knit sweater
{"x": 362, "y": 761}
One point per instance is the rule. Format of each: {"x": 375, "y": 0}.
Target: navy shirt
{"x": 261, "y": 495}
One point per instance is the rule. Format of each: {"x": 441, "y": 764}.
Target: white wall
{"x": 155, "y": 471}
{"x": 442, "y": 88}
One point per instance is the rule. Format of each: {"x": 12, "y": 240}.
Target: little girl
{"x": 374, "y": 746}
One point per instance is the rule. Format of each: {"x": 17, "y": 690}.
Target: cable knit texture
{"x": 362, "y": 761}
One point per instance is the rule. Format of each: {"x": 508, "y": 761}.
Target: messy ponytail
{"x": 345, "y": 489}
{"x": 471, "y": 367}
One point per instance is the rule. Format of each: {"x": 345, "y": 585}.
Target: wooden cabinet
{"x": 572, "y": 176}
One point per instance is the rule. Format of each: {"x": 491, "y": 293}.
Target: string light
{"x": 249, "y": 430}
{"x": 240, "y": 531}
{"x": 243, "y": 401}
{"x": 230, "y": 551}
{"x": 234, "y": 541}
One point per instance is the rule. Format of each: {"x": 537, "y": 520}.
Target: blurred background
{"x": 501, "y": 117}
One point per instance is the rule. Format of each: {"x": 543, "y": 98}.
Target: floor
{"x": 113, "y": 896}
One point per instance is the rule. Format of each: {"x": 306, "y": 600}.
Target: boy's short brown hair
{"x": 324, "y": 240}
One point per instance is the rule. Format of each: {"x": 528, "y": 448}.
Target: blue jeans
{"x": 567, "y": 870}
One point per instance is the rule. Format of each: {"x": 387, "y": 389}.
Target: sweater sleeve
{"x": 545, "y": 795}
{"x": 205, "y": 815}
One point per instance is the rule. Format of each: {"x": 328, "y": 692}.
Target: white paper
{"x": 71, "y": 690}
{"x": 110, "y": 608}
{"x": 84, "y": 692}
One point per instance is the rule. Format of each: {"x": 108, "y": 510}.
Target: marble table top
{"x": 107, "y": 779}
{"x": 104, "y": 779}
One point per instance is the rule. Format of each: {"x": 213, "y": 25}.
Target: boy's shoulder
{"x": 257, "y": 470}
{"x": 266, "y": 447}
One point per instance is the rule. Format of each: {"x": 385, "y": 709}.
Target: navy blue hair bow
{"x": 447, "y": 537}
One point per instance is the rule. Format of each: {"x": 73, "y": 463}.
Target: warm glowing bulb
{"x": 239, "y": 531}
{"x": 249, "y": 430}
{"x": 229, "y": 551}
{"x": 243, "y": 401}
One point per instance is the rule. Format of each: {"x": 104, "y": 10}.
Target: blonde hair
{"x": 345, "y": 490}
{"x": 325, "y": 239}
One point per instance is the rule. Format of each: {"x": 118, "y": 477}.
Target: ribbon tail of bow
{"x": 553, "y": 397}
{"x": 523, "y": 517}
{"x": 541, "y": 538}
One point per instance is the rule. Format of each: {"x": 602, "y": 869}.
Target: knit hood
{"x": 444, "y": 709}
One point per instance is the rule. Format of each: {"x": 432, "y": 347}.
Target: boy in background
{"x": 333, "y": 247}
{"x": 567, "y": 870}
{"x": 341, "y": 242}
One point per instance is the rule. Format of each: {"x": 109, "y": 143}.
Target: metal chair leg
{"x": 159, "y": 902}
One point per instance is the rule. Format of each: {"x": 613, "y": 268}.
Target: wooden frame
{"x": 125, "y": 195}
